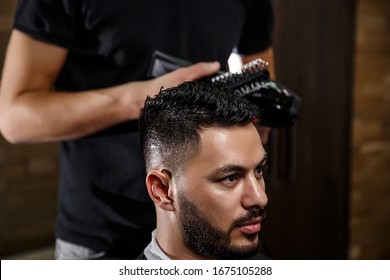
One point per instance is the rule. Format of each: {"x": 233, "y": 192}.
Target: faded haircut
{"x": 171, "y": 121}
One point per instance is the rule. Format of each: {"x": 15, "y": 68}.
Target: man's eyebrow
{"x": 232, "y": 168}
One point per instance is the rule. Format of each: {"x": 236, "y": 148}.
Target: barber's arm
{"x": 31, "y": 111}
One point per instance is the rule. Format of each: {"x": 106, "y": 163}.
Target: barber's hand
{"x": 132, "y": 95}
{"x": 184, "y": 74}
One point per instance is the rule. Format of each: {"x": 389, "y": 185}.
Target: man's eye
{"x": 260, "y": 169}
{"x": 230, "y": 178}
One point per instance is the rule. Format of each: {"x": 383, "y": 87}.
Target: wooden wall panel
{"x": 308, "y": 217}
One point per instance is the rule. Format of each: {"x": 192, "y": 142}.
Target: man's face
{"x": 221, "y": 194}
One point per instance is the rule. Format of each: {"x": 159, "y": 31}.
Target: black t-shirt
{"x": 103, "y": 202}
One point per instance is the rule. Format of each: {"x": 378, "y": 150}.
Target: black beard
{"x": 208, "y": 241}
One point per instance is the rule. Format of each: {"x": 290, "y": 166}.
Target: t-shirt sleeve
{"x": 49, "y": 21}
{"x": 258, "y": 28}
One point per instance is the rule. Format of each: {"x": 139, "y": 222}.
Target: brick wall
{"x": 370, "y": 193}
{"x": 28, "y": 194}
{"x": 7, "y": 8}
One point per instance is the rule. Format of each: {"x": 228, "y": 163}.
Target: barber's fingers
{"x": 193, "y": 72}
{"x": 201, "y": 70}
{"x": 196, "y": 71}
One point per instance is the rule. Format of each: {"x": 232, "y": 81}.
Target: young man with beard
{"x": 76, "y": 73}
{"x": 204, "y": 161}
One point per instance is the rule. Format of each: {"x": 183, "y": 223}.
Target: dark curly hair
{"x": 170, "y": 122}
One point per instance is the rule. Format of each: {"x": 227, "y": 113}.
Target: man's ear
{"x": 157, "y": 183}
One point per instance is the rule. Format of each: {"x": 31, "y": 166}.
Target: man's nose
{"x": 254, "y": 193}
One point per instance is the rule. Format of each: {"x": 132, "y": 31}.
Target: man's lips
{"x": 251, "y": 227}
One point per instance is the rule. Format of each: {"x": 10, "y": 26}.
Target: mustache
{"x": 253, "y": 213}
